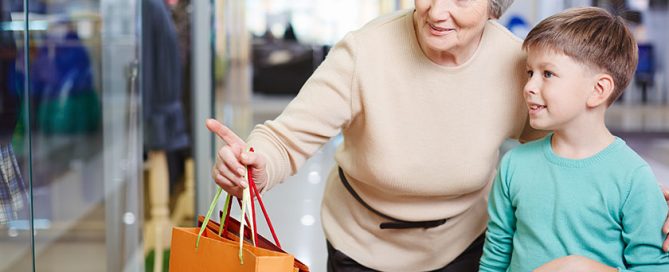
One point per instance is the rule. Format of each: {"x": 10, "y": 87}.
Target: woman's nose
{"x": 440, "y": 10}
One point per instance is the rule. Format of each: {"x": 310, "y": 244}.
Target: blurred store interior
{"x": 110, "y": 98}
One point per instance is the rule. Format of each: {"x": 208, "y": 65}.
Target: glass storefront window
{"x": 76, "y": 135}
{"x": 15, "y": 210}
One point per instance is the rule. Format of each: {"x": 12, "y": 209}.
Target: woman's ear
{"x": 602, "y": 90}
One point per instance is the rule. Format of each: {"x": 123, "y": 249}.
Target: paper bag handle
{"x": 256, "y": 193}
{"x": 247, "y": 195}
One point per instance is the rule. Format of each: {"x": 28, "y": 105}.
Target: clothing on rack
{"x": 164, "y": 124}
{"x": 62, "y": 86}
{"x": 13, "y": 194}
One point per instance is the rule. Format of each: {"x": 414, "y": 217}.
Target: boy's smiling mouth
{"x": 535, "y": 108}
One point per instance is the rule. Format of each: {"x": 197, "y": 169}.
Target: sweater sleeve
{"x": 643, "y": 214}
{"x": 320, "y": 110}
{"x": 501, "y": 225}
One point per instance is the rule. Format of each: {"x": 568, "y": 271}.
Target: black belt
{"x": 397, "y": 223}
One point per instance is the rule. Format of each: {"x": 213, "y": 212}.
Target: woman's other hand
{"x": 228, "y": 171}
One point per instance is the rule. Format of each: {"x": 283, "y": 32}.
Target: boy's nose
{"x": 530, "y": 88}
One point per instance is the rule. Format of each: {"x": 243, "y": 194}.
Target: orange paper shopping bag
{"x": 232, "y": 226}
{"x": 218, "y": 254}
{"x": 203, "y": 249}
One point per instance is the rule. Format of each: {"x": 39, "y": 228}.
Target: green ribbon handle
{"x": 246, "y": 202}
{"x": 212, "y": 206}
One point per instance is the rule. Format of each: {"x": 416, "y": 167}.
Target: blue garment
{"x": 66, "y": 100}
{"x": 607, "y": 207}
{"x": 62, "y": 67}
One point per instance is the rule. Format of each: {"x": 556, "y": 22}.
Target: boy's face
{"x": 557, "y": 89}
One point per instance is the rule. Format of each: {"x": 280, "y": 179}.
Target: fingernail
{"x": 244, "y": 156}
{"x": 244, "y": 184}
{"x": 241, "y": 171}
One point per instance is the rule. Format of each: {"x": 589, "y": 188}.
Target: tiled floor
{"x": 295, "y": 205}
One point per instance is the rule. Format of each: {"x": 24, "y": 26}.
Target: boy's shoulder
{"x": 529, "y": 148}
{"x": 524, "y": 154}
{"x": 627, "y": 157}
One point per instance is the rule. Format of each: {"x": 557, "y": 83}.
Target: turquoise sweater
{"x": 607, "y": 207}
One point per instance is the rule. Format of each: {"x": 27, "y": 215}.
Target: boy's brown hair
{"x": 591, "y": 36}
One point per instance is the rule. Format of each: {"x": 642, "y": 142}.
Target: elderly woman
{"x": 424, "y": 98}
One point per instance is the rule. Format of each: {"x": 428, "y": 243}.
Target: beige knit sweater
{"x": 420, "y": 143}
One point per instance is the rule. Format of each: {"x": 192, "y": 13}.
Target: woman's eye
{"x": 530, "y": 73}
{"x": 548, "y": 74}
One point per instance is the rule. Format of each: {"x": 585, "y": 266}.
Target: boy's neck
{"x": 582, "y": 141}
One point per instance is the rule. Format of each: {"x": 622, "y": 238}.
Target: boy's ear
{"x": 602, "y": 90}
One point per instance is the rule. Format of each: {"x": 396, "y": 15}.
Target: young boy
{"x": 580, "y": 191}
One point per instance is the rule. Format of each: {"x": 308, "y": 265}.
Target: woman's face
{"x": 449, "y": 31}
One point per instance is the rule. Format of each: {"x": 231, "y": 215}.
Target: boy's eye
{"x": 548, "y": 74}
{"x": 530, "y": 73}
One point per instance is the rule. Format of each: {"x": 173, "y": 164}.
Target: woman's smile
{"x": 439, "y": 31}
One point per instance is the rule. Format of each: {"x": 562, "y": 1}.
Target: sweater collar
{"x": 578, "y": 163}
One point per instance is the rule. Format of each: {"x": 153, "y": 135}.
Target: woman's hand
{"x": 665, "y": 229}
{"x": 229, "y": 171}
{"x": 574, "y": 263}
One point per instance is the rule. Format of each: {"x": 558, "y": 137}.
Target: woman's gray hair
{"x": 498, "y": 7}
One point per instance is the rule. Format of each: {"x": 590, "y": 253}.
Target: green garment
{"x": 607, "y": 207}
